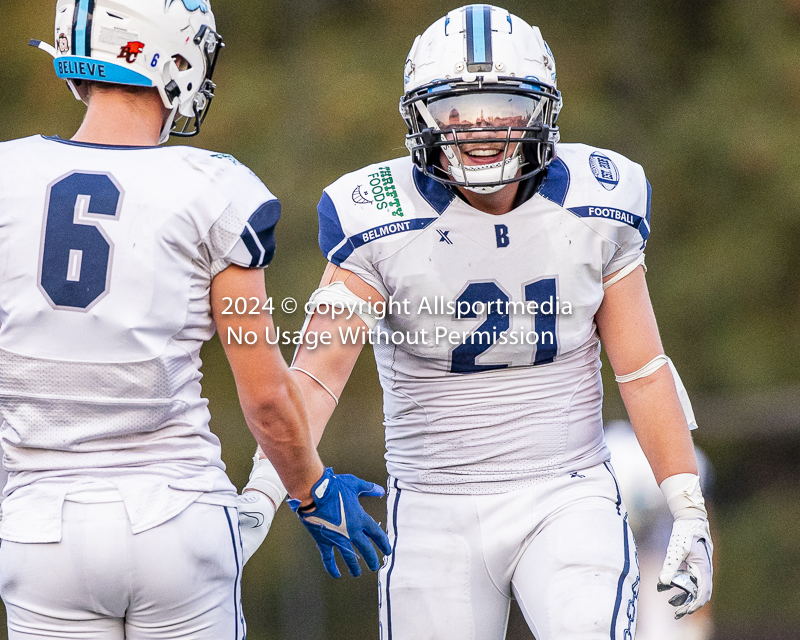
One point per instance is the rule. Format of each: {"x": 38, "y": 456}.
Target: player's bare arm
{"x": 322, "y": 373}
{"x": 629, "y": 334}
{"x": 332, "y": 513}
{"x": 271, "y": 401}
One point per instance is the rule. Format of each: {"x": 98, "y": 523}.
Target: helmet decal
{"x": 191, "y": 5}
{"x": 62, "y": 43}
{"x": 604, "y": 170}
{"x": 131, "y": 51}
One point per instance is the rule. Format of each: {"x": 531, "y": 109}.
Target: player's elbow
{"x": 268, "y": 406}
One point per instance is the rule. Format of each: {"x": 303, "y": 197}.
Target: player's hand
{"x": 257, "y": 505}
{"x": 337, "y": 520}
{"x": 688, "y": 565}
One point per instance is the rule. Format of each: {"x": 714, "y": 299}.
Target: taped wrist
{"x": 265, "y": 478}
{"x": 684, "y": 497}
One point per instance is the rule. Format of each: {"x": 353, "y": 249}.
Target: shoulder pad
{"x": 377, "y": 205}
{"x": 251, "y": 211}
{"x": 607, "y": 189}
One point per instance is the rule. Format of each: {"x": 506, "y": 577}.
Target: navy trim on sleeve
{"x": 556, "y": 182}
{"x": 435, "y": 193}
{"x": 332, "y": 241}
{"x": 611, "y": 213}
{"x": 259, "y": 233}
{"x": 389, "y": 229}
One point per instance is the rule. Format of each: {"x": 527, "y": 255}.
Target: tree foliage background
{"x": 705, "y": 95}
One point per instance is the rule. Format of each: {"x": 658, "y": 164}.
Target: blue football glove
{"x": 338, "y": 521}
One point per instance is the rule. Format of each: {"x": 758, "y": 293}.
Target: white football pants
{"x": 563, "y": 548}
{"x": 178, "y": 580}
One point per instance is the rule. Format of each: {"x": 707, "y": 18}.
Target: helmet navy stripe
{"x": 89, "y": 17}
{"x": 487, "y": 31}
{"x": 470, "y": 37}
{"x": 79, "y": 29}
{"x": 479, "y": 36}
{"x": 74, "y": 27}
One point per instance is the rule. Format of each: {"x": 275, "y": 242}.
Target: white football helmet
{"x": 171, "y": 45}
{"x": 480, "y": 82}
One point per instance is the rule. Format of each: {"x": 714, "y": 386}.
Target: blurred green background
{"x": 704, "y": 94}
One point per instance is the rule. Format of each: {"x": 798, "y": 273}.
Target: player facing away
{"x": 495, "y": 260}
{"x": 118, "y": 257}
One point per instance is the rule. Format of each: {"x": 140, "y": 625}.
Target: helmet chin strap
{"x": 510, "y": 163}
{"x": 165, "y": 130}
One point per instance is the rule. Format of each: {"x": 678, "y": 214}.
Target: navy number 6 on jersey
{"x": 75, "y": 255}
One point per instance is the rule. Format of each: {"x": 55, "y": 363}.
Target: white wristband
{"x": 684, "y": 497}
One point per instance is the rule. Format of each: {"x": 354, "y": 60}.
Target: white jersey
{"x": 106, "y": 260}
{"x": 488, "y": 355}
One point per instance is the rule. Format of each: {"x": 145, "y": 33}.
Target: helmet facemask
{"x": 179, "y": 124}
{"x": 466, "y": 122}
{"x": 480, "y": 99}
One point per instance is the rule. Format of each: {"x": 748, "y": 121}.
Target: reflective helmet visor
{"x": 477, "y": 110}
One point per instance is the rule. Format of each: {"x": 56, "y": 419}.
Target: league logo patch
{"x": 62, "y": 43}
{"x": 191, "y": 5}
{"x": 604, "y": 170}
{"x": 131, "y": 51}
{"x": 361, "y": 195}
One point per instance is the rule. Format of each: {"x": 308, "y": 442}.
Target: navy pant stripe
{"x": 626, "y": 568}
{"x": 391, "y": 565}
{"x": 236, "y": 595}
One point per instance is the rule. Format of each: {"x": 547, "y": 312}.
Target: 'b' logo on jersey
{"x": 501, "y": 235}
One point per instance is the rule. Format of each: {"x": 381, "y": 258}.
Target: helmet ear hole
{"x": 182, "y": 63}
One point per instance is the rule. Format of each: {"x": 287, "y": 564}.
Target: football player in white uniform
{"x": 119, "y": 259}
{"x": 494, "y": 260}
